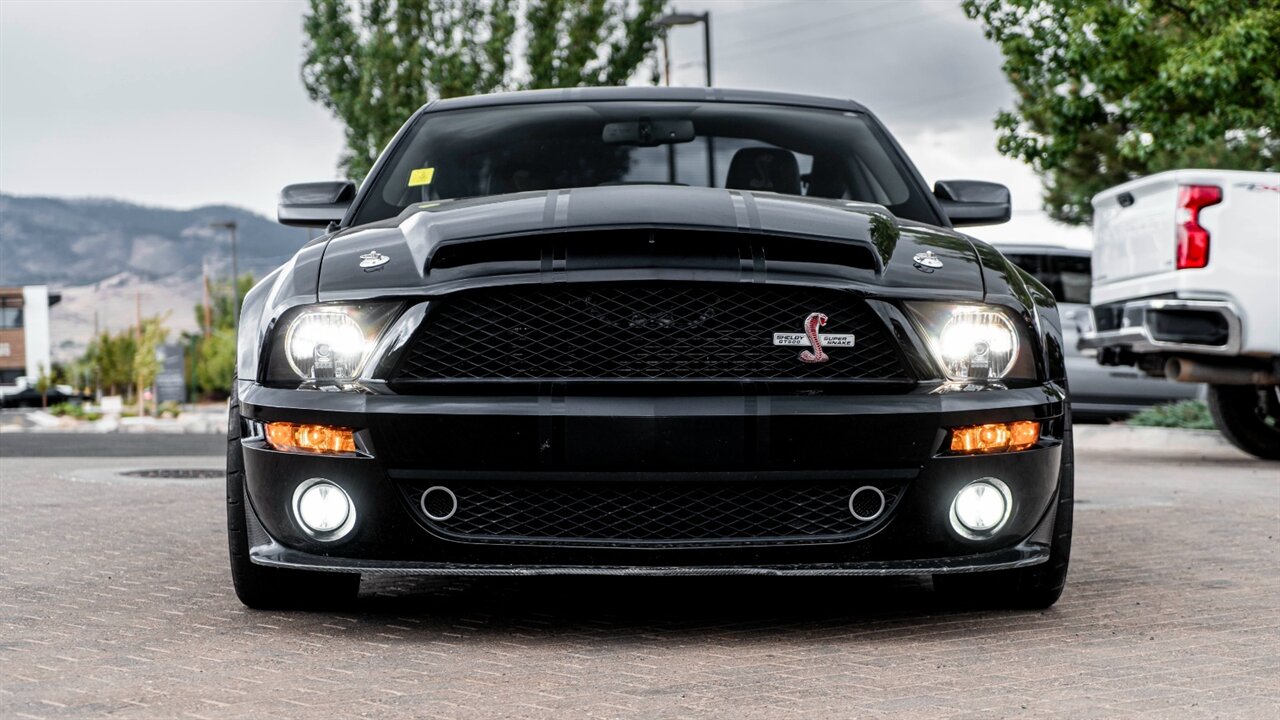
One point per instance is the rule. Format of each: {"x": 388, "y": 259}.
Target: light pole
{"x": 678, "y": 18}
{"x": 230, "y": 226}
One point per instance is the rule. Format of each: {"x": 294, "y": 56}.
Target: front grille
{"x": 651, "y": 513}
{"x": 633, "y": 331}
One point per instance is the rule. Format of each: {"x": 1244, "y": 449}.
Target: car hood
{"x": 353, "y": 264}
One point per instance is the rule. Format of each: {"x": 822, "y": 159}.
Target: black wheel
{"x": 268, "y": 588}
{"x": 1035, "y": 587}
{"x": 1248, "y": 416}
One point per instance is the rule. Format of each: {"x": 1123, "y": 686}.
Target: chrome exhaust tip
{"x": 866, "y": 503}
{"x": 438, "y": 503}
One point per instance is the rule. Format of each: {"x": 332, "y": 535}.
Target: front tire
{"x": 1031, "y": 588}
{"x": 1248, "y": 417}
{"x": 269, "y": 588}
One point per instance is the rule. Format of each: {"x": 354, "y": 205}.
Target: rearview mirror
{"x": 648, "y": 132}
{"x": 315, "y": 204}
{"x": 973, "y": 202}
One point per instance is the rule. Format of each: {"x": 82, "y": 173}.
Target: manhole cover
{"x": 176, "y": 473}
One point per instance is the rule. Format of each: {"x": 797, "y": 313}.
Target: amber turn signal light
{"x": 995, "y": 437}
{"x": 291, "y": 437}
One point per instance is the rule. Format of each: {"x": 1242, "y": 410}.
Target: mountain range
{"x": 66, "y": 242}
{"x": 111, "y": 259}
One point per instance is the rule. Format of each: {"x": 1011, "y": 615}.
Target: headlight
{"x": 326, "y": 343}
{"x": 974, "y": 342}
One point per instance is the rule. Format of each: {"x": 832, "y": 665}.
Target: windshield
{"x": 763, "y": 148}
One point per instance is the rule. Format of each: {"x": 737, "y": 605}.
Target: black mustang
{"x": 646, "y": 331}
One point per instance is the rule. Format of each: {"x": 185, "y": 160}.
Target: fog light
{"x": 981, "y": 508}
{"x": 324, "y": 439}
{"x": 324, "y": 511}
{"x": 995, "y": 437}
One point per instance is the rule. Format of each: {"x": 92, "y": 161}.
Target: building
{"x": 24, "y": 331}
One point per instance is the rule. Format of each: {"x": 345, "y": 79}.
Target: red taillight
{"x": 1193, "y": 240}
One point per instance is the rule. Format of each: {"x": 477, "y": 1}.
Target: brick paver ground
{"x": 115, "y": 601}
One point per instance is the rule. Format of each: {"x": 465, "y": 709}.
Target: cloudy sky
{"x": 183, "y": 104}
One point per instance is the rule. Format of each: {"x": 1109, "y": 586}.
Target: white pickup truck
{"x": 1186, "y": 285}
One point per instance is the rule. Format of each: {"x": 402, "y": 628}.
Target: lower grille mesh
{"x": 652, "y": 512}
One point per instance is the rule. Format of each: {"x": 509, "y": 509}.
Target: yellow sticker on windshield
{"x": 421, "y": 176}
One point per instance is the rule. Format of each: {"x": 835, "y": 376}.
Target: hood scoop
{"x": 605, "y": 234}
{"x": 627, "y": 249}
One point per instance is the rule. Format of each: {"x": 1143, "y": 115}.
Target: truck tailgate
{"x": 1133, "y": 229}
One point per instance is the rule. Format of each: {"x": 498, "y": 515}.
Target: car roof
{"x": 642, "y": 94}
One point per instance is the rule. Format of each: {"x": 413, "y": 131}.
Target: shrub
{"x": 74, "y": 410}
{"x": 1187, "y": 414}
{"x": 65, "y": 408}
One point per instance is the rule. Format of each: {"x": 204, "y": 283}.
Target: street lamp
{"x": 230, "y": 226}
{"x": 674, "y": 19}
{"x": 678, "y": 18}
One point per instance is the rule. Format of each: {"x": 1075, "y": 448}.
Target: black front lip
{"x": 1022, "y": 555}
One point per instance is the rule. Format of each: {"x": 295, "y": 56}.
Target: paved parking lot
{"x": 115, "y": 601}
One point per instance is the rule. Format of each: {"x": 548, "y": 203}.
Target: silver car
{"x": 1097, "y": 392}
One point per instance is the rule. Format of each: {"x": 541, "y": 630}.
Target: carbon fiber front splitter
{"x": 1026, "y": 554}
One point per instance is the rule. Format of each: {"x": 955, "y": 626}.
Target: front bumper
{"x": 779, "y": 439}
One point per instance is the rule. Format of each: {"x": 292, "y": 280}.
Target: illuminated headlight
{"x": 973, "y": 342}
{"x": 981, "y": 508}
{"x": 326, "y": 344}
{"x": 978, "y": 344}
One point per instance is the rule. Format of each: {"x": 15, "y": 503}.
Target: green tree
{"x": 151, "y": 335}
{"x": 111, "y": 358}
{"x": 212, "y": 358}
{"x": 78, "y": 373}
{"x": 215, "y": 362}
{"x": 372, "y": 63}
{"x": 1111, "y": 90}
{"x": 221, "y": 305}
{"x": 44, "y": 381}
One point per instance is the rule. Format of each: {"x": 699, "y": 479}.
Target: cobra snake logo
{"x": 811, "y": 326}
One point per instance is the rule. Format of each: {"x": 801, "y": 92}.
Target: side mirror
{"x": 315, "y": 204}
{"x": 973, "y": 202}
